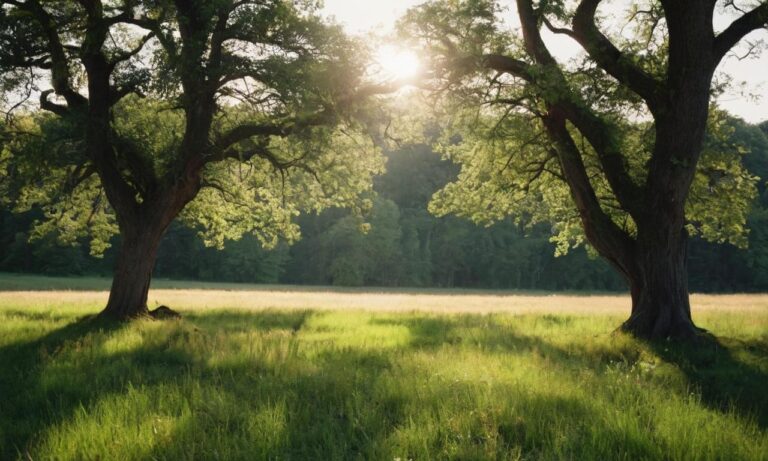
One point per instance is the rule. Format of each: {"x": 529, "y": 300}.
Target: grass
{"x": 382, "y": 376}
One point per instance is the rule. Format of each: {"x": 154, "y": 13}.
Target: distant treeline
{"x": 406, "y": 246}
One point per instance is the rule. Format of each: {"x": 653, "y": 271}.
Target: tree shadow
{"x": 341, "y": 404}
{"x": 724, "y": 381}
{"x": 487, "y": 334}
{"x": 38, "y": 316}
{"x": 35, "y": 398}
{"x": 22, "y": 364}
{"x": 347, "y": 408}
{"x": 244, "y": 321}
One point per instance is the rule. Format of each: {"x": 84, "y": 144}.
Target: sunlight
{"x": 397, "y": 63}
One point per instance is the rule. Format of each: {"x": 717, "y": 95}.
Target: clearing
{"x": 312, "y": 373}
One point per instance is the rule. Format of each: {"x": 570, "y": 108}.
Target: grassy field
{"x": 281, "y": 373}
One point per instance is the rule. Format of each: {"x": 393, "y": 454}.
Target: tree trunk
{"x": 142, "y": 231}
{"x": 132, "y": 275}
{"x": 659, "y": 288}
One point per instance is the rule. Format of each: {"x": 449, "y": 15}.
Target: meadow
{"x": 254, "y": 372}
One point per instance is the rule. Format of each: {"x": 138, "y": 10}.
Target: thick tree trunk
{"x": 132, "y": 275}
{"x": 142, "y": 232}
{"x": 659, "y": 288}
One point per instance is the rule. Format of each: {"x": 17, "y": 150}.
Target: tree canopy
{"x": 610, "y": 147}
{"x": 233, "y": 114}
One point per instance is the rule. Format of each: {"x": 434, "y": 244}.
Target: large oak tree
{"x": 623, "y": 130}
{"x": 233, "y": 114}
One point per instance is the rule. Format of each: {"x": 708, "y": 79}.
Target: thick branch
{"x": 217, "y": 41}
{"x": 601, "y": 137}
{"x": 46, "y": 104}
{"x": 751, "y": 21}
{"x": 534, "y": 45}
{"x": 607, "y": 237}
{"x": 154, "y": 26}
{"x": 610, "y": 58}
{"x": 249, "y": 130}
{"x": 116, "y": 94}
{"x": 557, "y": 93}
{"x": 595, "y": 129}
{"x": 60, "y": 75}
{"x": 507, "y": 65}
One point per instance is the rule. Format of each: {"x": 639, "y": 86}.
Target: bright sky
{"x": 360, "y": 16}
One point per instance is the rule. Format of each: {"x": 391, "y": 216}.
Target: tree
{"x": 623, "y": 131}
{"x": 232, "y": 114}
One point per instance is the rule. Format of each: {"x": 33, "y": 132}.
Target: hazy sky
{"x": 360, "y": 16}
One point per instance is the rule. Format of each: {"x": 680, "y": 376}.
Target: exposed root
{"x": 164, "y": 313}
{"x": 684, "y": 332}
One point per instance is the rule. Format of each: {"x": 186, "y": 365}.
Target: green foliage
{"x": 272, "y": 85}
{"x": 406, "y": 245}
{"x": 492, "y": 121}
{"x": 338, "y": 249}
{"x": 44, "y": 170}
{"x": 253, "y": 198}
{"x": 723, "y": 190}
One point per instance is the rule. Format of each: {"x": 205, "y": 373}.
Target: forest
{"x": 407, "y": 246}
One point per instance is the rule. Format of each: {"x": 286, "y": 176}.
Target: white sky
{"x": 360, "y": 16}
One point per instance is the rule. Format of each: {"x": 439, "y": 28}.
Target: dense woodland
{"x": 407, "y": 246}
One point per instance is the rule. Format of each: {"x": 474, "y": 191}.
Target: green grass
{"x": 309, "y": 384}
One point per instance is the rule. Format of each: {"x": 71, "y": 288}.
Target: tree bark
{"x": 133, "y": 273}
{"x": 659, "y": 287}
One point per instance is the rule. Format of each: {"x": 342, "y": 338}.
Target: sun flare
{"x": 396, "y": 63}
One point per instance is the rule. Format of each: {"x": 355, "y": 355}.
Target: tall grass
{"x": 253, "y": 383}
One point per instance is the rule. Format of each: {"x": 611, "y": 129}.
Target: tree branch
{"x": 594, "y": 129}
{"x": 601, "y": 137}
{"x": 558, "y": 30}
{"x": 249, "y": 130}
{"x": 607, "y": 237}
{"x": 291, "y": 126}
{"x": 60, "y": 74}
{"x": 611, "y": 59}
{"x": 748, "y": 22}
{"x": 118, "y": 93}
{"x": 557, "y": 93}
{"x": 154, "y": 26}
{"x": 57, "y": 109}
{"x": 507, "y": 65}
{"x": 122, "y": 57}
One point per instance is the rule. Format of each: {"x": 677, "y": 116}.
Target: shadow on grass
{"x": 47, "y": 380}
{"x": 342, "y": 404}
{"x": 348, "y": 406}
{"x": 244, "y": 321}
{"x": 718, "y": 369}
{"x": 22, "y": 365}
{"x": 330, "y": 410}
{"x": 38, "y": 316}
{"x": 724, "y": 381}
{"x": 39, "y": 390}
{"x": 485, "y": 333}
